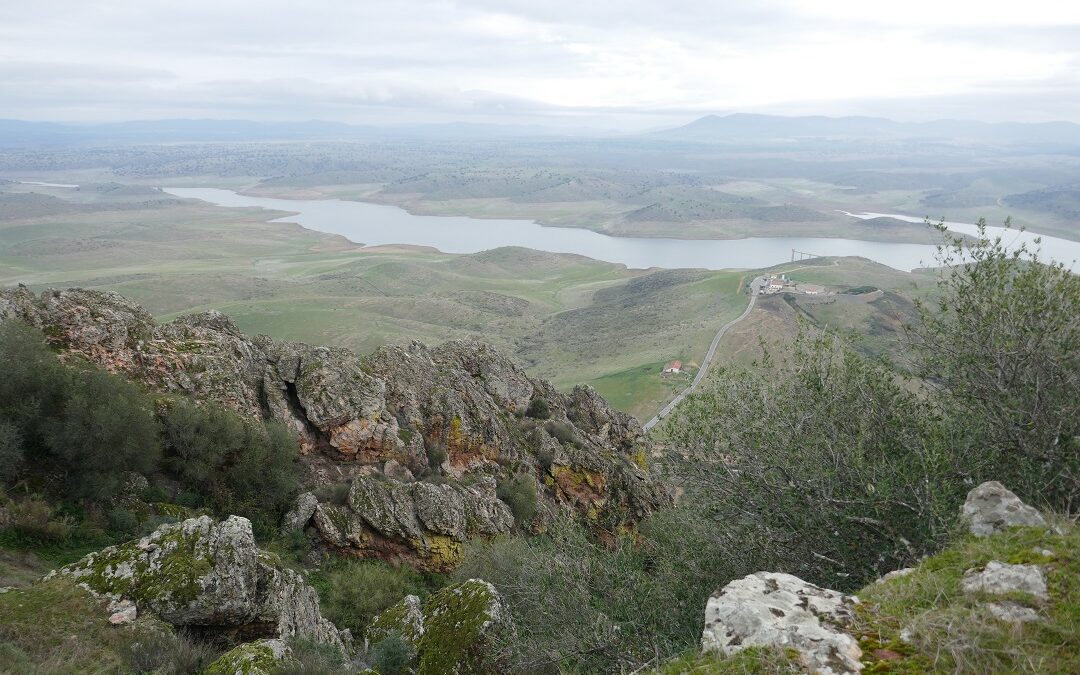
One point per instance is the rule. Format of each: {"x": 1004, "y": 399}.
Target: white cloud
{"x": 440, "y": 59}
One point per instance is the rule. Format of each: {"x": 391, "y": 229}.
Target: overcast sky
{"x": 620, "y": 63}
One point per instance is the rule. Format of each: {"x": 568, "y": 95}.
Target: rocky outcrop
{"x": 208, "y": 578}
{"x": 453, "y": 412}
{"x": 457, "y": 630}
{"x": 422, "y": 523}
{"x": 781, "y": 610}
{"x": 991, "y": 508}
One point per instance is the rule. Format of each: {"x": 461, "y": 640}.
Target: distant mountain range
{"x": 747, "y": 127}
{"x": 19, "y": 133}
{"x": 740, "y": 127}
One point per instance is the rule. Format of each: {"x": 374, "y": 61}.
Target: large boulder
{"x": 457, "y": 630}
{"x": 770, "y": 609}
{"x": 991, "y": 508}
{"x": 209, "y": 578}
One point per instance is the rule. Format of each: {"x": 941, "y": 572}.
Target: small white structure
{"x": 775, "y": 284}
{"x": 672, "y": 368}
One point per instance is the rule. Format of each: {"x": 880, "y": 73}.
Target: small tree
{"x": 1001, "y": 344}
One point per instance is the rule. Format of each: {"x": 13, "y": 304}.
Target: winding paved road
{"x": 755, "y": 287}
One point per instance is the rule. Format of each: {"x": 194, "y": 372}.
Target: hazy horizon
{"x": 629, "y": 65}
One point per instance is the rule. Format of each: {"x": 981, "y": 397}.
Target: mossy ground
{"x": 953, "y": 631}
{"x": 946, "y": 629}
{"x": 57, "y": 627}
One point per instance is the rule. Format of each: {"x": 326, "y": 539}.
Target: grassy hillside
{"x": 569, "y": 318}
{"x": 862, "y": 299}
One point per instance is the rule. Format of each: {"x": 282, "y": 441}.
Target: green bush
{"x": 84, "y": 427}
{"x": 35, "y": 520}
{"x": 123, "y": 521}
{"x": 393, "y": 655}
{"x": 353, "y": 592}
{"x": 562, "y": 432}
{"x": 232, "y": 464}
{"x": 1000, "y": 349}
{"x": 837, "y": 473}
{"x": 104, "y": 429}
{"x": 334, "y": 493}
{"x": 309, "y": 656}
{"x": 12, "y": 460}
{"x": 538, "y": 409}
{"x": 168, "y": 653}
{"x": 581, "y": 605}
{"x": 519, "y": 493}
{"x": 80, "y": 431}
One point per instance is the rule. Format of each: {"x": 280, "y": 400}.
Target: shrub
{"x": 519, "y": 493}
{"x": 353, "y": 592}
{"x": 167, "y": 653}
{"x": 436, "y": 457}
{"x": 235, "y": 465}
{"x": 835, "y": 473}
{"x": 393, "y": 655}
{"x": 104, "y": 429}
{"x": 584, "y": 606}
{"x": 1001, "y": 349}
{"x": 335, "y": 493}
{"x": 89, "y": 426}
{"x": 309, "y": 656}
{"x": 539, "y": 409}
{"x": 12, "y": 460}
{"x": 123, "y": 521}
{"x": 35, "y": 520}
{"x": 562, "y": 432}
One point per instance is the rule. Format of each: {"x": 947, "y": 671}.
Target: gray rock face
{"x": 208, "y": 576}
{"x": 422, "y": 523}
{"x": 461, "y": 403}
{"x": 999, "y": 578}
{"x": 781, "y": 610}
{"x": 299, "y": 515}
{"x": 991, "y": 508}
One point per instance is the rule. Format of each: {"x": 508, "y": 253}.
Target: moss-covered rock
{"x": 253, "y": 658}
{"x": 457, "y": 630}
{"x": 200, "y": 573}
{"x": 405, "y": 619}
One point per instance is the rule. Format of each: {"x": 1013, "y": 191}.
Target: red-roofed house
{"x": 673, "y": 367}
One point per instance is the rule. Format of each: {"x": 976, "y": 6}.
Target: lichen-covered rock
{"x": 261, "y": 657}
{"x": 456, "y": 631}
{"x": 406, "y": 618}
{"x": 460, "y": 405}
{"x": 208, "y": 576}
{"x": 999, "y": 578}
{"x": 423, "y": 523}
{"x": 991, "y": 507}
{"x": 769, "y": 609}
{"x": 301, "y": 512}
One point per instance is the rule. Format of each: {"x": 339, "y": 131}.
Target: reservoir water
{"x": 378, "y": 224}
